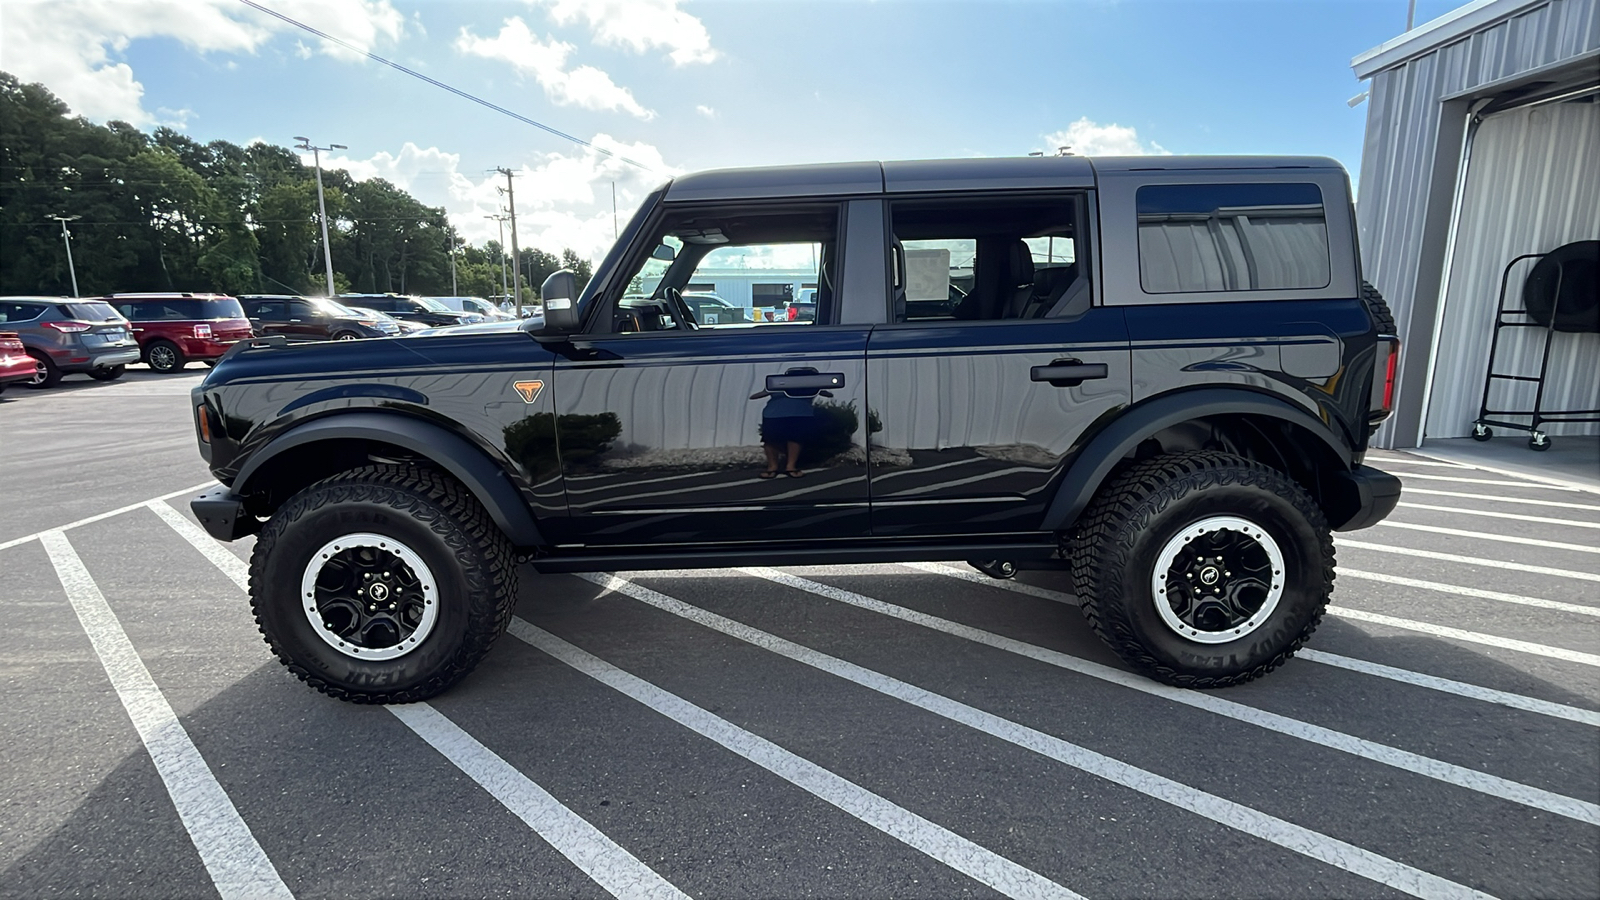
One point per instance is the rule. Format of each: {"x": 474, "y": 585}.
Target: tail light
{"x": 1384, "y": 369}
{"x": 203, "y": 331}
{"x": 69, "y": 327}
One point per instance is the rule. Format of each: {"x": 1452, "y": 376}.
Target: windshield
{"x": 433, "y": 304}
{"x": 332, "y": 308}
{"x": 100, "y": 311}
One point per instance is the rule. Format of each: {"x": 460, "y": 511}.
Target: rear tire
{"x": 109, "y": 373}
{"x": 418, "y": 533}
{"x": 49, "y": 377}
{"x": 1191, "y": 519}
{"x": 165, "y": 357}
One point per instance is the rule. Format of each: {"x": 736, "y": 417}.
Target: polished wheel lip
{"x": 395, "y": 548}
{"x": 1176, "y": 544}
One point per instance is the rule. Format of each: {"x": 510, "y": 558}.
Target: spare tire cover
{"x": 1576, "y": 267}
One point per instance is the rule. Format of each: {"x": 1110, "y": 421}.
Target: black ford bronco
{"x": 1157, "y": 373}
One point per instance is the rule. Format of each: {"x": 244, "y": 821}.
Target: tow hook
{"x": 995, "y": 568}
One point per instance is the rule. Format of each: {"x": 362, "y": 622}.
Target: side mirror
{"x": 560, "y": 295}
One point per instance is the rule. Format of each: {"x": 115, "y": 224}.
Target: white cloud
{"x": 1086, "y": 138}
{"x": 69, "y": 45}
{"x": 639, "y": 25}
{"x": 706, "y": 111}
{"x": 563, "y": 199}
{"x": 546, "y": 61}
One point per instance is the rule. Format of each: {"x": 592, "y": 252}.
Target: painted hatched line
{"x": 106, "y": 515}
{"x": 621, "y": 873}
{"x": 1461, "y": 591}
{"x": 1458, "y": 688}
{"x": 1537, "y": 485}
{"x": 1428, "y": 767}
{"x": 1503, "y": 698}
{"x": 1277, "y": 831}
{"x": 231, "y": 566}
{"x": 1018, "y": 587}
{"x": 1559, "y": 504}
{"x": 934, "y": 840}
{"x": 1561, "y": 653}
{"x": 1544, "y": 520}
{"x": 1466, "y": 560}
{"x": 1537, "y": 477}
{"x": 232, "y": 857}
{"x": 1413, "y": 461}
{"x": 1499, "y": 538}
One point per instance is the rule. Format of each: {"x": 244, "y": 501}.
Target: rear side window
{"x": 92, "y": 311}
{"x": 181, "y": 308}
{"x": 1231, "y": 237}
{"x": 19, "y": 312}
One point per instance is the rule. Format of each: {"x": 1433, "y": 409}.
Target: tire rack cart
{"x": 1538, "y": 415}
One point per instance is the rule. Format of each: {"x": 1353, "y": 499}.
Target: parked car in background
{"x": 403, "y": 327}
{"x": 16, "y": 366}
{"x": 477, "y": 305}
{"x": 710, "y": 309}
{"x": 70, "y": 336}
{"x": 498, "y": 326}
{"x": 416, "y": 309}
{"x": 312, "y": 319}
{"x": 175, "y": 328}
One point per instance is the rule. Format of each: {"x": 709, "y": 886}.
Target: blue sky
{"x": 682, "y": 86}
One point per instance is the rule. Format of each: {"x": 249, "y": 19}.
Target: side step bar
{"x": 802, "y": 556}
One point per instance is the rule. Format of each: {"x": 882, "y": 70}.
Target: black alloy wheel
{"x": 1203, "y": 569}
{"x": 108, "y": 373}
{"x": 385, "y": 584}
{"x": 164, "y": 357}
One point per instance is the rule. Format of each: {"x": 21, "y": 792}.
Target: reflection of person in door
{"x": 787, "y": 424}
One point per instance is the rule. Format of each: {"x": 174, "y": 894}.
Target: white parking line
{"x": 1460, "y": 776}
{"x": 1540, "y": 477}
{"x": 1587, "y": 659}
{"x": 1561, "y": 504}
{"x": 946, "y": 846}
{"x": 1461, "y": 591}
{"x": 979, "y": 578}
{"x": 1467, "y": 560}
{"x": 1482, "y": 536}
{"x": 1285, "y": 834}
{"x": 1521, "y": 484}
{"x": 235, "y": 861}
{"x": 106, "y": 515}
{"x": 231, "y": 566}
{"x": 1458, "y": 688}
{"x": 597, "y": 856}
{"x": 1545, "y": 520}
{"x": 1413, "y": 461}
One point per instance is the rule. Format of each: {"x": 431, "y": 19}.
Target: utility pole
{"x": 454, "y": 292}
{"x": 501, "y": 219}
{"x": 516, "y": 255}
{"x": 614, "y": 232}
{"x": 322, "y": 208}
{"x": 67, "y": 238}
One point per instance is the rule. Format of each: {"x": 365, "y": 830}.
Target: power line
{"x": 439, "y": 84}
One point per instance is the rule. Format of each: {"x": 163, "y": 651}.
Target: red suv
{"x": 173, "y": 329}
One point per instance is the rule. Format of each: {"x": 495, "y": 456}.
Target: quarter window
{"x": 1196, "y": 238}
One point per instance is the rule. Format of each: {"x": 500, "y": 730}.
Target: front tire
{"x": 446, "y": 575}
{"x": 1203, "y": 569}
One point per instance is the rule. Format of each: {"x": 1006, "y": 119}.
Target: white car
{"x": 478, "y": 305}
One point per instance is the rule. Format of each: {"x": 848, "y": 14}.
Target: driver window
{"x": 735, "y": 270}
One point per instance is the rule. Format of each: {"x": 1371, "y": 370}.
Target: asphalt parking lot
{"x": 856, "y": 731}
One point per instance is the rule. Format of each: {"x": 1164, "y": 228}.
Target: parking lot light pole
{"x": 322, "y": 208}
{"x": 505, "y": 290}
{"x": 67, "y": 238}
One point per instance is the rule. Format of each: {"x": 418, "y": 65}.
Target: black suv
{"x": 426, "y": 310}
{"x": 1159, "y": 374}
{"x": 300, "y": 319}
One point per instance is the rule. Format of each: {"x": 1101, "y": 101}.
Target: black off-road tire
{"x": 52, "y": 372}
{"x": 1382, "y": 316}
{"x": 1114, "y": 552}
{"x": 165, "y": 357}
{"x": 470, "y": 558}
{"x": 109, "y": 373}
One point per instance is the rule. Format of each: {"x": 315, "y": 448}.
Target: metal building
{"x": 1482, "y": 144}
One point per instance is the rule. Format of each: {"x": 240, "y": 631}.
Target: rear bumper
{"x": 222, "y": 514}
{"x": 1362, "y": 497}
{"x": 98, "y": 359}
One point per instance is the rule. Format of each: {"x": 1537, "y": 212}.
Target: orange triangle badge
{"x": 528, "y": 389}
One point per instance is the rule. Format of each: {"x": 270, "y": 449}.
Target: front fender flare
{"x": 468, "y": 463}
{"x": 1124, "y": 434}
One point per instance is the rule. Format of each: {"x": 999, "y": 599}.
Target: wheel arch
{"x": 331, "y": 444}
{"x": 1256, "y": 425}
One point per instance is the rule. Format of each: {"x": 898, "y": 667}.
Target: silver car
{"x": 69, "y": 336}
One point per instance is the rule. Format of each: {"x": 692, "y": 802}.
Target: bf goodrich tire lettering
{"x": 1133, "y": 523}
{"x": 449, "y": 544}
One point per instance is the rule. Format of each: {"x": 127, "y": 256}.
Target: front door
{"x": 675, "y": 430}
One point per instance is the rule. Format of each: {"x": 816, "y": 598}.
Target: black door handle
{"x": 1068, "y": 372}
{"x": 808, "y": 382}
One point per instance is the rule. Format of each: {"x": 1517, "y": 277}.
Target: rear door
{"x": 674, "y": 431}
{"x": 996, "y": 365}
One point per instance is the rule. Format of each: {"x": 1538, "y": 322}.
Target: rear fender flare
{"x": 1124, "y": 434}
{"x": 468, "y": 463}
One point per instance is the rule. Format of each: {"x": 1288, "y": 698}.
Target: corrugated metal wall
{"x": 1404, "y": 197}
{"x": 1533, "y": 185}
